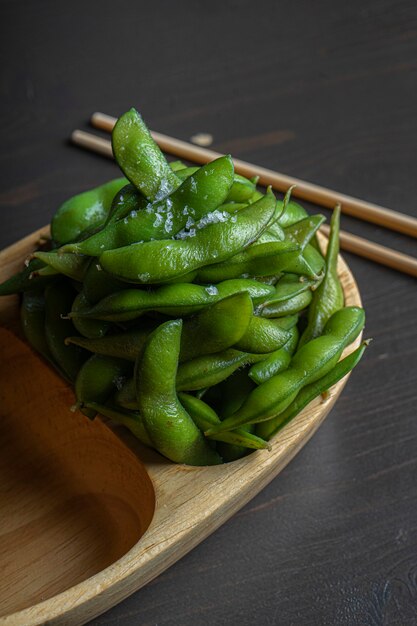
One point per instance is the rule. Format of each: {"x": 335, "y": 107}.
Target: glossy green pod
{"x": 198, "y": 195}
{"x": 204, "y": 416}
{"x": 85, "y": 210}
{"x": 269, "y": 428}
{"x": 98, "y": 378}
{"x": 130, "y": 419}
{"x": 170, "y": 428}
{"x": 92, "y": 329}
{"x": 59, "y": 297}
{"x": 26, "y": 280}
{"x": 180, "y": 299}
{"x": 140, "y": 158}
{"x": 71, "y": 265}
{"x": 328, "y": 297}
{"x": 216, "y": 237}
{"x": 262, "y": 335}
{"x": 313, "y": 361}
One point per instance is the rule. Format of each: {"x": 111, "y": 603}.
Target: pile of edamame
{"x": 187, "y": 305}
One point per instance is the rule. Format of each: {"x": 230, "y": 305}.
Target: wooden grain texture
{"x": 325, "y": 91}
{"x": 83, "y": 522}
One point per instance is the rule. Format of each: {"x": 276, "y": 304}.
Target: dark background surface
{"x": 326, "y": 91}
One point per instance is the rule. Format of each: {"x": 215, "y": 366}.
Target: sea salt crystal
{"x": 169, "y": 222}
{"x": 212, "y": 290}
{"x": 158, "y": 220}
{"x": 213, "y": 218}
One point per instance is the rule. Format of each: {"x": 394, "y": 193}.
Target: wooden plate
{"x": 87, "y": 514}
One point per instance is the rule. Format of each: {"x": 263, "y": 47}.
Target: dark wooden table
{"x": 323, "y": 90}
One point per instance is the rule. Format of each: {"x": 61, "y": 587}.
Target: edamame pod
{"x": 303, "y": 231}
{"x": 85, "y": 210}
{"x": 262, "y": 335}
{"x": 26, "y": 280}
{"x": 130, "y": 419}
{"x": 97, "y": 380}
{"x": 264, "y": 259}
{"x": 198, "y": 195}
{"x": 179, "y": 299}
{"x": 269, "y": 428}
{"x": 71, "y": 265}
{"x": 313, "y": 361}
{"x": 140, "y": 158}
{"x": 32, "y": 316}
{"x": 170, "y": 428}
{"x": 328, "y": 297}
{"x": 287, "y": 288}
{"x": 127, "y": 345}
{"x": 241, "y": 190}
{"x": 58, "y": 301}
{"x": 97, "y": 284}
{"x": 293, "y": 213}
{"x": 126, "y": 200}
{"x": 217, "y": 236}
{"x": 283, "y": 308}
{"x": 203, "y": 416}
{"x": 90, "y": 328}
{"x": 276, "y": 362}
{"x": 211, "y": 369}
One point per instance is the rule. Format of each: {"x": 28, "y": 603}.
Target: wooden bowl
{"x": 88, "y": 514}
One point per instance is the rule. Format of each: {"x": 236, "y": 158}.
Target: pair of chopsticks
{"x": 316, "y": 194}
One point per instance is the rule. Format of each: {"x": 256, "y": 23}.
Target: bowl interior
{"x": 74, "y": 499}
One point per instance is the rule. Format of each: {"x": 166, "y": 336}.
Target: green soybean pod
{"x": 59, "y": 297}
{"x": 211, "y": 369}
{"x": 276, "y": 362}
{"x": 241, "y": 190}
{"x": 97, "y": 284}
{"x": 328, "y": 297}
{"x": 283, "y": 308}
{"x": 261, "y": 336}
{"x": 32, "y": 316}
{"x": 198, "y": 195}
{"x": 314, "y": 360}
{"x": 97, "y": 380}
{"x": 217, "y": 327}
{"x": 127, "y": 345}
{"x": 177, "y": 300}
{"x": 265, "y": 259}
{"x": 170, "y": 428}
{"x": 130, "y": 419}
{"x": 127, "y": 200}
{"x": 269, "y": 428}
{"x": 176, "y": 166}
{"x": 125, "y": 397}
{"x": 159, "y": 261}
{"x": 204, "y": 417}
{"x": 71, "y": 265}
{"x": 85, "y": 210}
{"x": 90, "y": 328}
{"x": 293, "y": 213}
{"x": 27, "y": 279}
{"x": 303, "y": 231}
{"x": 288, "y": 287}
{"x": 140, "y": 158}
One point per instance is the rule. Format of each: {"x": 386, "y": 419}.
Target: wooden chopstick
{"x": 281, "y": 182}
{"x": 375, "y": 252}
{"x": 351, "y": 243}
